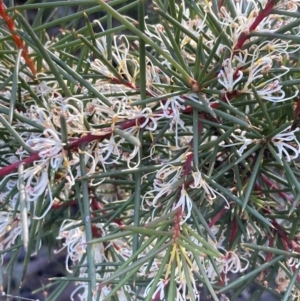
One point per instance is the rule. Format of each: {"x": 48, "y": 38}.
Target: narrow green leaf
{"x": 14, "y": 87}
{"x": 159, "y": 274}
{"x": 87, "y": 227}
{"x": 253, "y": 178}
{"x": 23, "y": 206}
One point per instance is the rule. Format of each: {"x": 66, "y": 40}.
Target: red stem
{"x": 17, "y": 40}
{"x": 77, "y": 142}
{"x": 176, "y": 228}
{"x": 263, "y": 14}
{"x": 269, "y": 255}
{"x": 217, "y": 217}
{"x": 234, "y": 229}
{"x": 188, "y": 164}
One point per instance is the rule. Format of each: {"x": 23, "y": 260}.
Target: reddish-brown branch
{"x": 269, "y": 255}
{"x": 77, "y": 142}
{"x": 188, "y": 164}
{"x": 14, "y": 166}
{"x": 288, "y": 244}
{"x": 283, "y": 236}
{"x": 296, "y": 116}
{"x": 297, "y": 110}
{"x": 217, "y": 217}
{"x": 176, "y": 228}
{"x": 17, "y": 40}
{"x": 263, "y": 14}
{"x": 97, "y": 233}
{"x": 234, "y": 229}
{"x": 259, "y": 189}
{"x": 35, "y": 156}
{"x": 58, "y": 205}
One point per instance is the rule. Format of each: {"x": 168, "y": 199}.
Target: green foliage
{"x": 163, "y": 157}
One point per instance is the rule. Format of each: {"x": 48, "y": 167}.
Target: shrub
{"x": 164, "y": 160}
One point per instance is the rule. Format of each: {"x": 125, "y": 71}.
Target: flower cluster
{"x": 192, "y": 156}
{"x": 74, "y": 239}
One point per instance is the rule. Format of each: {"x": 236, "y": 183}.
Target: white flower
{"x": 231, "y": 262}
{"x": 47, "y": 147}
{"x": 154, "y": 75}
{"x": 194, "y": 26}
{"x": 185, "y": 203}
{"x": 75, "y": 241}
{"x": 278, "y": 48}
{"x": 149, "y": 117}
{"x": 122, "y": 57}
{"x": 36, "y": 178}
{"x": 47, "y": 91}
{"x": 103, "y": 113}
{"x": 160, "y": 289}
{"x": 274, "y": 93}
{"x": 211, "y": 193}
{"x": 171, "y": 110}
{"x": 244, "y": 16}
{"x": 10, "y": 229}
{"x": 39, "y": 115}
{"x": 291, "y": 5}
{"x": 241, "y": 140}
{"x": 257, "y": 69}
{"x": 101, "y": 42}
{"x": 107, "y": 149}
{"x": 73, "y": 114}
{"x": 293, "y": 262}
{"x": 229, "y": 76}
{"x": 182, "y": 289}
{"x": 286, "y": 142}
{"x": 98, "y": 66}
{"x": 281, "y": 280}
{"x": 164, "y": 184}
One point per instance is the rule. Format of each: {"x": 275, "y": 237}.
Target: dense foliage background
{"x": 152, "y": 149}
